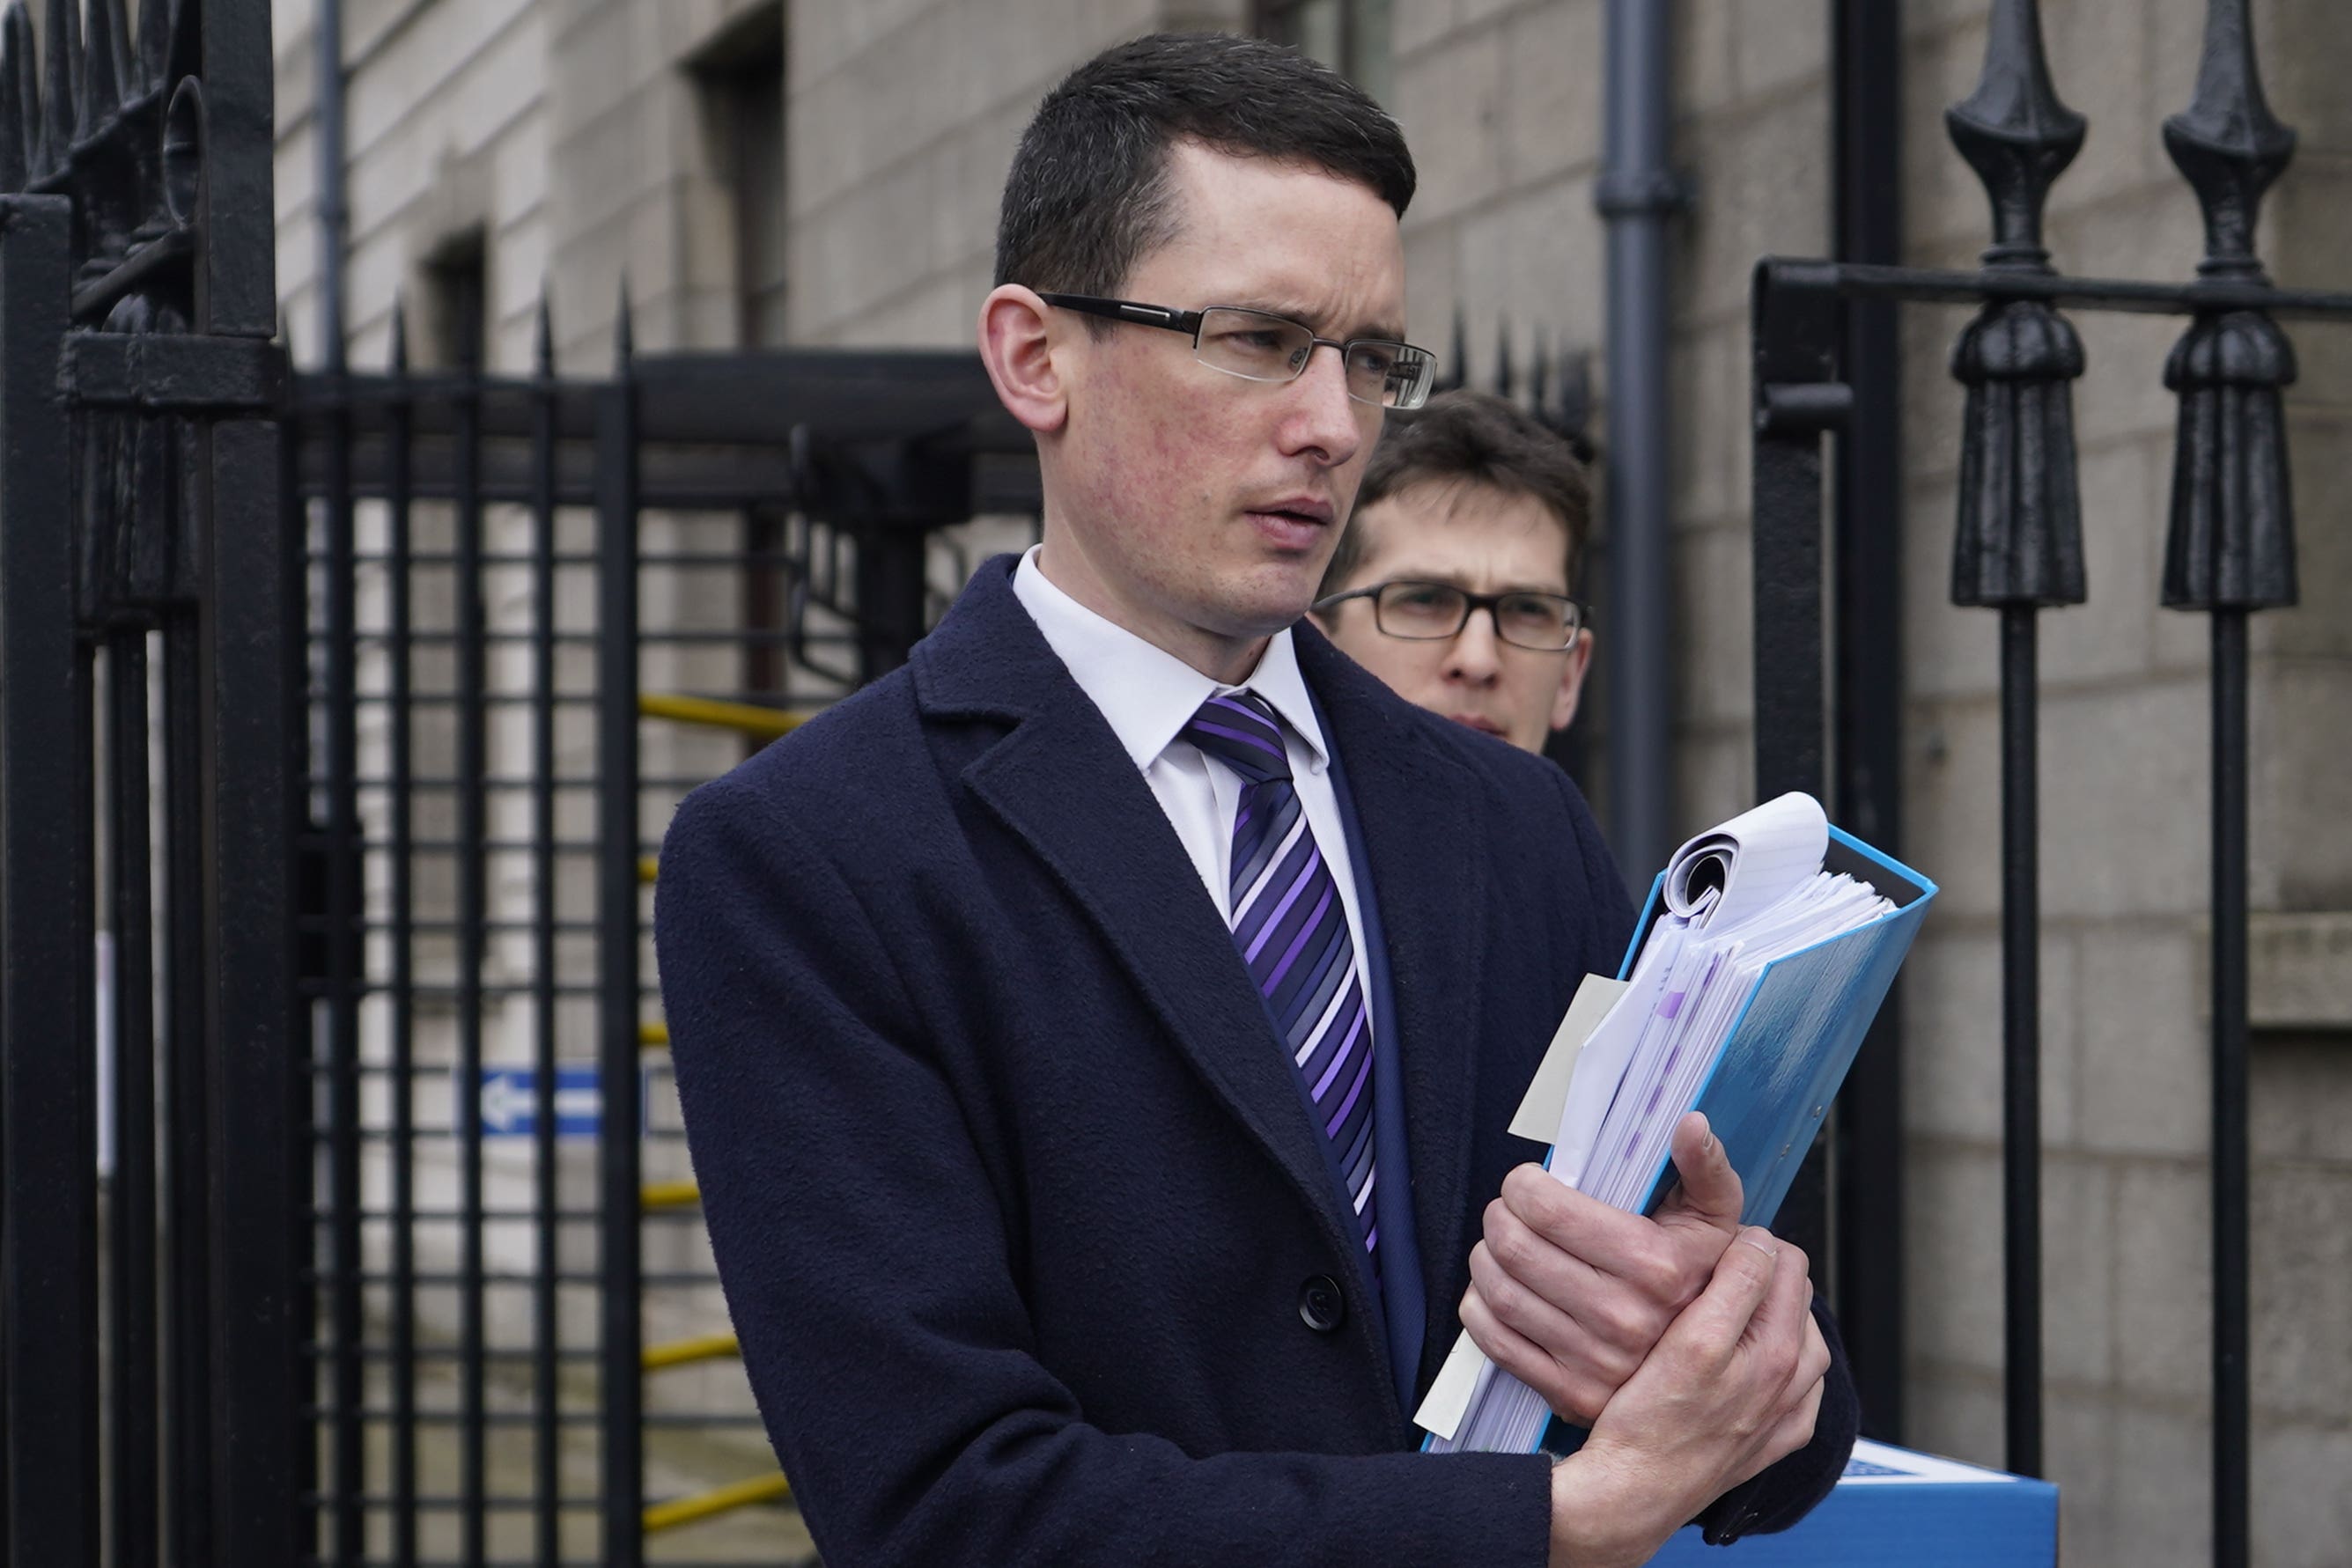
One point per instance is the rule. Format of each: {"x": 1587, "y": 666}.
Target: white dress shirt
{"x": 1148, "y": 694}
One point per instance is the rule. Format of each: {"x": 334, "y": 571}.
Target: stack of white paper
{"x": 1735, "y": 899}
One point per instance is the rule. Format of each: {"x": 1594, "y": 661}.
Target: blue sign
{"x": 511, "y": 1102}
{"x": 1896, "y": 1506}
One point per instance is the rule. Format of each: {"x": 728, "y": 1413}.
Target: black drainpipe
{"x": 1866, "y": 152}
{"x": 1636, "y": 194}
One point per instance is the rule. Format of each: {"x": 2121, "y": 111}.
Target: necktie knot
{"x": 1242, "y": 732}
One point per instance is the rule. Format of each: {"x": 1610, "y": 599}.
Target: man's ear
{"x": 1571, "y": 682}
{"x": 1017, "y": 345}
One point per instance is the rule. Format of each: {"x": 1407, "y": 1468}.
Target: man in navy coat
{"x": 1097, "y": 1039}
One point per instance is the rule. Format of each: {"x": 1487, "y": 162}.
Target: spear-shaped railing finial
{"x": 2014, "y": 131}
{"x": 542, "y": 339}
{"x": 20, "y": 98}
{"x": 154, "y": 43}
{"x": 396, "y": 357}
{"x": 2227, "y": 144}
{"x": 183, "y": 42}
{"x": 103, "y": 64}
{"x": 59, "y": 57}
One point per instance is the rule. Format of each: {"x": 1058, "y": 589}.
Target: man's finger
{"x": 1710, "y": 1188}
{"x": 1598, "y": 1234}
{"x": 1714, "y": 1324}
{"x": 1783, "y": 1320}
{"x": 1520, "y": 1306}
{"x": 1814, "y": 1362}
{"x": 1566, "y": 1394}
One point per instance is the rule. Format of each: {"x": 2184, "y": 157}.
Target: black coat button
{"x": 1321, "y": 1307}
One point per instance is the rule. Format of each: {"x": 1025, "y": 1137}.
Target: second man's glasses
{"x": 1260, "y": 347}
{"x": 1431, "y": 612}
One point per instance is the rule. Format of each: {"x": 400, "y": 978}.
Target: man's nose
{"x": 1323, "y": 418}
{"x": 1475, "y": 654}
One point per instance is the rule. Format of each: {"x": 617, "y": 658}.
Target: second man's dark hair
{"x": 1088, "y": 192}
{"x": 1471, "y": 437}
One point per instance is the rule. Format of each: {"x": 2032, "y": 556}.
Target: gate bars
{"x": 2230, "y": 551}
{"x": 139, "y": 516}
{"x": 520, "y": 587}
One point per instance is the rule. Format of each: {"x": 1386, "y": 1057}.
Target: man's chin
{"x": 1264, "y": 608}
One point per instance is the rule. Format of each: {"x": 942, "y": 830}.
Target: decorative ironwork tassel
{"x": 2019, "y": 537}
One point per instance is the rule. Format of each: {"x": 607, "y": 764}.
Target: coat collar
{"x": 1061, "y": 780}
{"x": 1146, "y": 693}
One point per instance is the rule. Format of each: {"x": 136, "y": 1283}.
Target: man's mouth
{"x": 1479, "y": 721}
{"x": 1304, "y": 509}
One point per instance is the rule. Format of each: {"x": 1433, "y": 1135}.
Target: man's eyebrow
{"x": 1456, "y": 579}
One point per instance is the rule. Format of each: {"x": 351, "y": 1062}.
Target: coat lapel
{"x": 1061, "y": 781}
{"x": 1418, "y": 811}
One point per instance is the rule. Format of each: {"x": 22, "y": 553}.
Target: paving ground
{"x": 677, "y": 1462}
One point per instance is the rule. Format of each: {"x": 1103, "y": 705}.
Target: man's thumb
{"x": 1710, "y": 1187}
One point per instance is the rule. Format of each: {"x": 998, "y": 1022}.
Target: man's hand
{"x": 1733, "y": 1386}
{"x": 1568, "y": 1295}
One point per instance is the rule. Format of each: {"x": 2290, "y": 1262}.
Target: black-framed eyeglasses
{"x": 1432, "y": 611}
{"x": 1258, "y": 345}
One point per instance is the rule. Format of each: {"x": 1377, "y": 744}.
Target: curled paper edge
{"x": 1748, "y": 862}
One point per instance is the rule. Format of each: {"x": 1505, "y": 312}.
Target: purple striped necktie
{"x": 1292, "y": 931}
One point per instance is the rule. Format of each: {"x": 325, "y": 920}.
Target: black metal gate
{"x": 142, "y": 565}
{"x": 378, "y": 647}
{"x": 2231, "y": 551}
{"x": 540, "y": 609}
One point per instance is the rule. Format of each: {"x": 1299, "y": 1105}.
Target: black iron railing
{"x": 2019, "y": 549}
{"x": 509, "y": 576}
{"x": 142, "y": 555}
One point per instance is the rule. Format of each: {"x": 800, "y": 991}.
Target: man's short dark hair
{"x": 1471, "y": 437}
{"x": 1088, "y": 196}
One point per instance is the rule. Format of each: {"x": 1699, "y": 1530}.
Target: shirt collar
{"x": 1146, "y": 693}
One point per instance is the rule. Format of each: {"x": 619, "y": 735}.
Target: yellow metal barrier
{"x": 748, "y": 717}
{"x": 721, "y": 1500}
{"x": 670, "y": 1195}
{"x": 686, "y": 1352}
